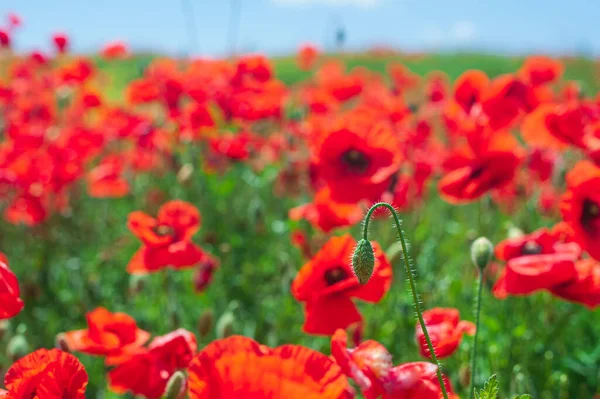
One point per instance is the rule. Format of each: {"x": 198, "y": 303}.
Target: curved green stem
{"x": 413, "y": 285}
{"x": 474, "y": 353}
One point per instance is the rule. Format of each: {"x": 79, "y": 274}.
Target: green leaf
{"x": 490, "y": 389}
{"x": 524, "y": 396}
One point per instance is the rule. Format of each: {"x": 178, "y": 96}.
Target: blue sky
{"x": 280, "y": 26}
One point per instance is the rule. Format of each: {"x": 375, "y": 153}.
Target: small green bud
{"x": 61, "y": 342}
{"x": 17, "y": 348}
{"x": 137, "y": 282}
{"x": 184, "y": 175}
{"x": 363, "y": 261}
{"x": 176, "y": 386}
{"x": 225, "y": 325}
{"x": 482, "y": 251}
{"x": 205, "y": 323}
{"x": 4, "y": 328}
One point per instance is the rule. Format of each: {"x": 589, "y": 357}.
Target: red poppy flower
{"x": 436, "y": 88}
{"x": 238, "y": 367}
{"x": 558, "y": 126}
{"x": 539, "y": 70}
{"x": 370, "y": 365}
{"x": 402, "y": 78}
{"x": 166, "y": 239}
{"x": 580, "y": 206}
{"x": 343, "y": 86}
{"x": 445, "y": 330}
{"x": 204, "y": 273}
{"x": 327, "y": 214}
{"x": 327, "y": 285}
{"x": 106, "y": 181}
{"x": 4, "y": 39}
{"x": 10, "y": 303}
{"x": 147, "y": 372}
{"x": 503, "y": 101}
{"x": 14, "y": 20}
{"x": 474, "y": 171}
{"x": 114, "y": 50}
{"x": 46, "y": 374}
{"x": 585, "y": 287}
{"x": 61, "y": 41}
{"x": 307, "y": 55}
{"x": 108, "y": 334}
{"x": 537, "y": 261}
{"x": 357, "y": 159}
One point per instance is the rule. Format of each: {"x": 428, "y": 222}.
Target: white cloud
{"x": 356, "y": 3}
{"x": 463, "y": 32}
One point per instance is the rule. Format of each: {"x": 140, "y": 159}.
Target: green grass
{"x": 536, "y": 344}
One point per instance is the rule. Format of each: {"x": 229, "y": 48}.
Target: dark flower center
{"x": 163, "y": 230}
{"x": 590, "y": 216}
{"x": 531, "y": 248}
{"x": 335, "y": 275}
{"x": 356, "y": 161}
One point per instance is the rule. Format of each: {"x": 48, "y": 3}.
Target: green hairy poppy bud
{"x": 61, "y": 343}
{"x": 225, "y": 325}
{"x": 205, "y": 323}
{"x": 363, "y": 261}
{"x": 481, "y": 252}
{"x": 176, "y": 386}
{"x": 17, "y": 348}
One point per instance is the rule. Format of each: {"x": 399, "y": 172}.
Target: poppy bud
{"x": 137, "y": 283}
{"x": 481, "y": 252}
{"x": 205, "y": 323}
{"x": 363, "y": 261}
{"x": 176, "y": 386}
{"x": 225, "y": 325}
{"x": 4, "y": 327}
{"x": 185, "y": 173}
{"x": 17, "y": 348}
{"x": 61, "y": 342}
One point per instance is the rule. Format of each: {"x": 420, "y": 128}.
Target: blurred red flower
{"x": 580, "y": 206}
{"x": 108, "y": 334}
{"x": 147, "y": 372}
{"x": 307, "y": 56}
{"x": 585, "y": 287}
{"x": 238, "y": 367}
{"x": 539, "y": 70}
{"x": 106, "y": 180}
{"x": 46, "y": 374}
{"x": 10, "y": 302}
{"x": 167, "y": 240}
{"x": 204, "y": 273}
{"x": 61, "y": 42}
{"x": 4, "y": 39}
{"x": 445, "y": 330}
{"x": 327, "y": 214}
{"x": 483, "y": 166}
{"x": 537, "y": 261}
{"x": 357, "y": 158}
{"x": 116, "y": 49}
{"x": 370, "y": 365}
{"x": 327, "y": 285}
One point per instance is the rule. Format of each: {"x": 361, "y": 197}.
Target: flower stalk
{"x": 412, "y": 282}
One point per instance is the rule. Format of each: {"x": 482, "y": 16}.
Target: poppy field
{"x": 371, "y": 225}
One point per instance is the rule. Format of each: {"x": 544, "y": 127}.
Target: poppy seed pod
{"x": 176, "y": 386}
{"x": 481, "y": 252}
{"x": 17, "y": 348}
{"x": 61, "y": 343}
{"x": 363, "y": 261}
{"x": 205, "y": 323}
{"x": 225, "y": 325}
